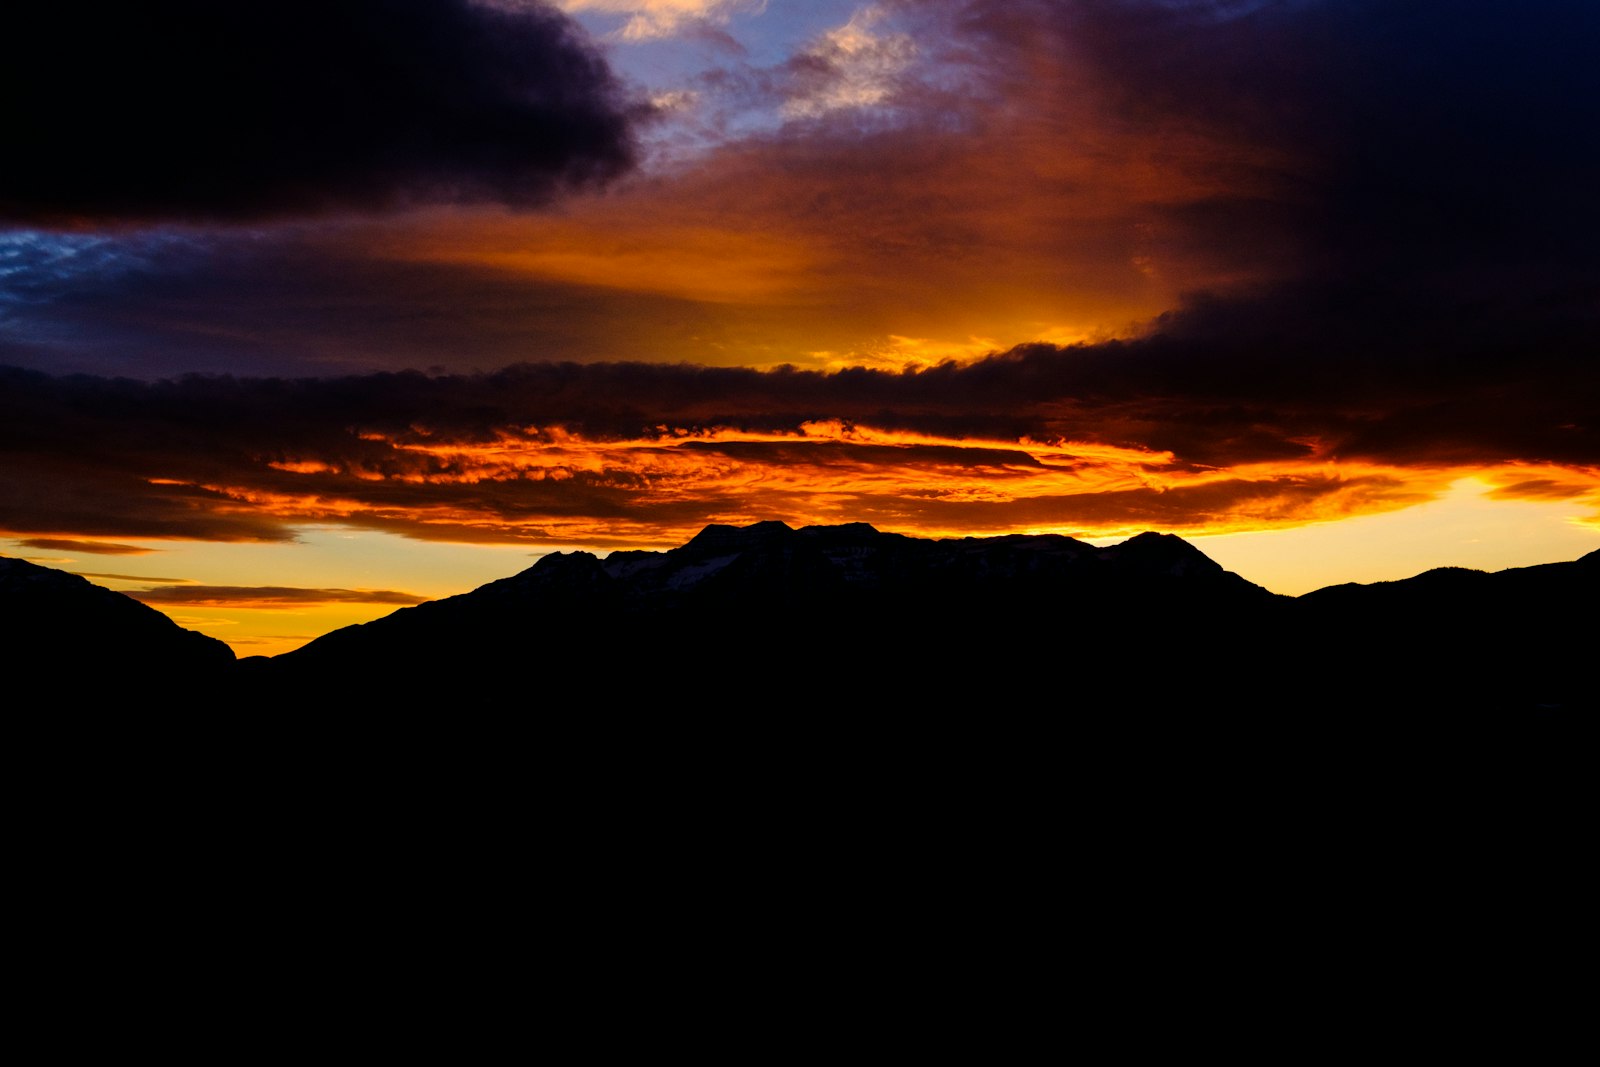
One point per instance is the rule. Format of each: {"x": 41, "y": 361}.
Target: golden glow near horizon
{"x": 1472, "y": 524}
{"x": 1291, "y": 527}
{"x": 321, "y": 558}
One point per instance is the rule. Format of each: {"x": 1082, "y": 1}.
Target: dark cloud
{"x": 103, "y": 548}
{"x": 825, "y": 454}
{"x": 131, "y": 577}
{"x": 116, "y": 498}
{"x": 194, "y": 109}
{"x": 521, "y": 453}
{"x": 296, "y": 301}
{"x": 1287, "y": 499}
{"x": 1206, "y": 401}
{"x": 1338, "y": 187}
{"x": 1429, "y": 148}
{"x": 1541, "y": 489}
{"x": 267, "y": 596}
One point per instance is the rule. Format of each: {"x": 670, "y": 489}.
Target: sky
{"x": 313, "y": 310}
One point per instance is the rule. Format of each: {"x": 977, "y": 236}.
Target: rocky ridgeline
{"x": 853, "y": 620}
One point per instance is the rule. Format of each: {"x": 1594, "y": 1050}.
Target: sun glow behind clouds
{"x": 551, "y": 485}
{"x": 1474, "y": 523}
{"x": 1289, "y": 527}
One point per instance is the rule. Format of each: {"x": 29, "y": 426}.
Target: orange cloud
{"x": 267, "y": 597}
{"x": 556, "y": 486}
{"x": 1022, "y": 208}
{"x": 102, "y": 548}
{"x": 1072, "y": 441}
{"x": 1543, "y": 482}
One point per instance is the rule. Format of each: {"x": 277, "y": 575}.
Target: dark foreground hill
{"x": 849, "y": 618}
{"x": 62, "y": 631}
{"x": 1524, "y": 637}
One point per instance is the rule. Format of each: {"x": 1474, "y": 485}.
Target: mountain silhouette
{"x": 1522, "y": 637}
{"x": 848, "y": 616}
{"x": 848, "y": 621}
{"x": 845, "y": 611}
{"x": 69, "y": 631}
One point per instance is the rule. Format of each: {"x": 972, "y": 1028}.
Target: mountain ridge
{"x": 851, "y": 609}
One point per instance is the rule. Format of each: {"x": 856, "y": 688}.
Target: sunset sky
{"x": 315, "y": 309}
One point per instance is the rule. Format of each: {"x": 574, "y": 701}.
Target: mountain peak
{"x": 1165, "y": 552}
{"x": 851, "y": 529}
{"x": 723, "y": 538}
{"x": 566, "y": 568}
